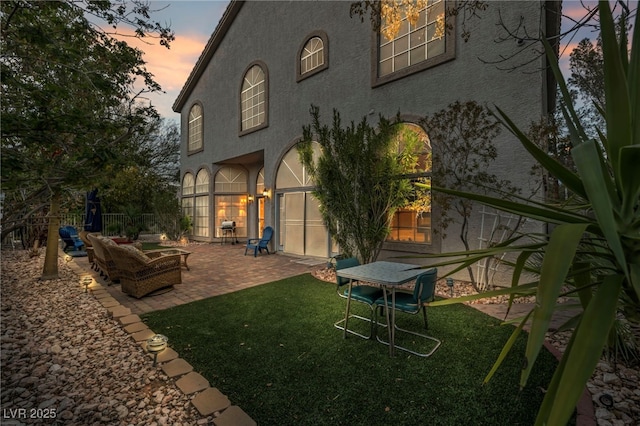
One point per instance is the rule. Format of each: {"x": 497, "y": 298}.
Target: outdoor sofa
{"x": 141, "y": 273}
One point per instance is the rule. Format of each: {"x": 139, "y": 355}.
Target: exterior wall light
{"x": 250, "y": 198}
{"x": 266, "y": 193}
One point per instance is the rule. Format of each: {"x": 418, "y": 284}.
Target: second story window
{"x": 313, "y": 55}
{"x": 195, "y": 128}
{"x": 253, "y": 98}
{"x": 409, "y": 45}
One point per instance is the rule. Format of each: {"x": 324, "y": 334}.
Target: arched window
{"x": 412, "y": 222}
{"x": 231, "y": 192}
{"x": 313, "y": 55}
{"x": 187, "y": 184}
{"x": 195, "y": 129}
{"x": 253, "y": 99}
{"x": 201, "y": 210}
{"x": 188, "y": 187}
{"x": 300, "y": 225}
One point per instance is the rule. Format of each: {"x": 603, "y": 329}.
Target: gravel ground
{"x": 64, "y": 361}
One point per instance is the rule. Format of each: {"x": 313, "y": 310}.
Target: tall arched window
{"x": 201, "y": 211}
{"x": 412, "y": 222}
{"x": 187, "y": 202}
{"x": 253, "y": 98}
{"x": 300, "y": 225}
{"x": 231, "y": 191}
{"x": 195, "y": 129}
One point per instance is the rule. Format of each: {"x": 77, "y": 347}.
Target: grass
{"x": 152, "y": 246}
{"x": 273, "y": 351}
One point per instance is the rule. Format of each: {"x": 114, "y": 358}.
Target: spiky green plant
{"x": 594, "y": 247}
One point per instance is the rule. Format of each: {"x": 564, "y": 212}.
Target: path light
{"x": 606, "y": 400}
{"x": 450, "y": 285}
{"x": 155, "y": 345}
{"x": 86, "y": 281}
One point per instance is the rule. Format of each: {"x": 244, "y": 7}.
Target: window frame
{"x": 265, "y": 123}
{"x": 449, "y": 54}
{"x": 434, "y": 245}
{"x": 201, "y": 147}
{"x": 325, "y": 55}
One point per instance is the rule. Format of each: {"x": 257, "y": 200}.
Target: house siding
{"x": 272, "y": 33}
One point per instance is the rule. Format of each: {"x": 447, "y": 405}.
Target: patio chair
{"x": 412, "y": 303}
{"x": 143, "y": 273}
{"x": 88, "y": 247}
{"x": 103, "y": 259}
{"x": 70, "y": 237}
{"x": 259, "y": 244}
{"x": 360, "y": 293}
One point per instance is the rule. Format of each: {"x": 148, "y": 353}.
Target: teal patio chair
{"x": 259, "y": 244}
{"x": 412, "y": 303}
{"x": 360, "y": 293}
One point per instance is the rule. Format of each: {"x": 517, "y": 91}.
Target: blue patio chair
{"x": 69, "y": 235}
{"x": 412, "y": 303}
{"x": 360, "y": 293}
{"x": 259, "y": 244}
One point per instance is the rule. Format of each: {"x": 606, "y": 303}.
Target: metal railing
{"x": 116, "y": 223}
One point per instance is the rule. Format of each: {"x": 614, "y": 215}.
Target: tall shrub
{"x": 356, "y": 181}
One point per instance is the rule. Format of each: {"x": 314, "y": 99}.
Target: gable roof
{"x": 212, "y": 45}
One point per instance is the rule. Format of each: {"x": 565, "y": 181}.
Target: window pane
{"x": 404, "y": 50}
{"x": 417, "y": 55}
{"x": 312, "y": 55}
{"x": 412, "y": 222}
{"x": 401, "y": 44}
{"x": 253, "y": 89}
{"x": 187, "y": 184}
{"x": 201, "y": 217}
{"x": 202, "y": 181}
{"x": 195, "y": 128}
{"x": 231, "y": 207}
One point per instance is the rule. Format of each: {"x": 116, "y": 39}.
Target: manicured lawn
{"x": 152, "y": 246}
{"x": 273, "y": 351}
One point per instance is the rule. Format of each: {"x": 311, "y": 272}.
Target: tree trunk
{"x": 50, "y": 271}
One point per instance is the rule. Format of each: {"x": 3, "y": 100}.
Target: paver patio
{"x": 214, "y": 269}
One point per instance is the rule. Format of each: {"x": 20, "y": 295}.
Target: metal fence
{"x": 116, "y": 223}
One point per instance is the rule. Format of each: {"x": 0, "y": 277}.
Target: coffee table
{"x": 184, "y": 254}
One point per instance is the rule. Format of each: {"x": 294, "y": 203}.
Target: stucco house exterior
{"x": 248, "y": 96}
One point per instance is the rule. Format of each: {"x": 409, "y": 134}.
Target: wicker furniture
{"x": 143, "y": 273}
{"x": 88, "y": 246}
{"x": 102, "y": 257}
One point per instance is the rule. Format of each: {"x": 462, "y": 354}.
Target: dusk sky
{"x": 193, "y": 22}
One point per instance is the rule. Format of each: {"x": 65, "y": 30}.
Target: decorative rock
{"x": 84, "y": 364}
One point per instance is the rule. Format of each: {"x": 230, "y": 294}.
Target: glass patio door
{"x": 301, "y": 229}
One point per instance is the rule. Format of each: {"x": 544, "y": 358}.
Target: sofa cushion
{"x": 136, "y": 253}
{"x": 108, "y": 241}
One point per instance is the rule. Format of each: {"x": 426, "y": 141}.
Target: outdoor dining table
{"x": 389, "y": 275}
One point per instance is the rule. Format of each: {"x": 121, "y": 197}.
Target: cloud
{"x": 170, "y": 67}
